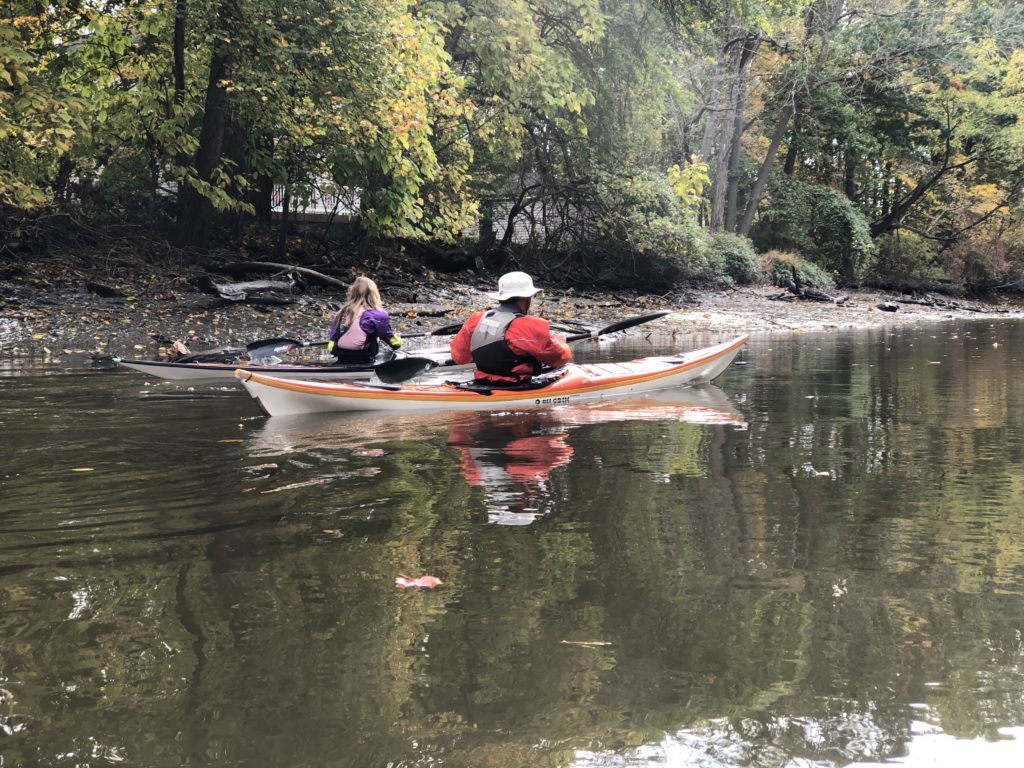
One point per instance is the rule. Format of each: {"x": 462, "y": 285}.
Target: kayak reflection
{"x": 511, "y": 455}
{"x": 705, "y": 404}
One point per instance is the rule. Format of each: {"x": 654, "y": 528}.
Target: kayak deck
{"x": 278, "y": 396}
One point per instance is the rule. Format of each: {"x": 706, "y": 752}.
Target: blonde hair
{"x": 362, "y": 295}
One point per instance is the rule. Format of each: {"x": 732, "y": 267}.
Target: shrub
{"x": 665, "y": 252}
{"x": 817, "y": 222}
{"x": 906, "y": 255}
{"x": 737, "y": 256}
{"x": 645, "y": 233}
{"x": 779, "y": 266}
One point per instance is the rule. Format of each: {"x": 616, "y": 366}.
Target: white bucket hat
{"x": 514, "y": 285}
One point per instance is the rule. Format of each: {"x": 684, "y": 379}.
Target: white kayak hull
{"x": 278, "y": 396}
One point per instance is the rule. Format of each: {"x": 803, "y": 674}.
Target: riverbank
{"x": 61, "y": 310}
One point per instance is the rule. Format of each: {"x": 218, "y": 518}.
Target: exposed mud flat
{"x": 54, "y": 312}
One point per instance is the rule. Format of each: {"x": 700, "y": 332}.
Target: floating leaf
{"x": 427, "y": 582}
{"x": 83, "y": 469}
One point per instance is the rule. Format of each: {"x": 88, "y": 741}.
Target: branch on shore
{"x": 243, "y": 292}
{"x": 796, "y": 290}
{"x": 276, "y": 269}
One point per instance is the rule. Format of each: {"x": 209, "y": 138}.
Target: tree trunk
{"x": 757, "y": 191}
{"x": 850, "y": 175}
{"x": 282, "y": 233}
{"x": 712, "y": 109}
{"x": 733, "y": 178}
{"x": 792, "y": 153}
{"x": 180, "y": 16}
{"x": 195, "y": 209}
{"x": 719, "y": 181}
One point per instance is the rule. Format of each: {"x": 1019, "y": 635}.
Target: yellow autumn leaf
{"x": 83, "y": 469}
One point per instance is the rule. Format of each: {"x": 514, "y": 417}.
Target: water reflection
{"x": 509, "y": 455}
{"x": 819, "y": 564}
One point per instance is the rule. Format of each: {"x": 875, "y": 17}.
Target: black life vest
{"x": 487, "y": 345}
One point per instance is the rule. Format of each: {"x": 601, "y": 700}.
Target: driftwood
{"x": 275, "y": 268}
{"x": 244, "y": 291}
{"x": 932, "y": 301}
{"x": 808, "y": 292}
{"x": 104, "y": 291}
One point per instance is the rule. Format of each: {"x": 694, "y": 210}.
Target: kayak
{"x": 226, "y": 371}
{"x": 576, "y": 383}
{"x": 196, "y": 371}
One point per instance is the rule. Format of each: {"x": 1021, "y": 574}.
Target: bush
{"x": 644, "y": 233}
{"x": 737, "y": 256}
{"x": 817, "y": 222}
{"x": 667, "y": 252}
{"x": 906, "y": 255}
{"x": 779, "y": 266}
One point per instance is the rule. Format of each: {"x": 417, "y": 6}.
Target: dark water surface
{"x": 819, "y": 562}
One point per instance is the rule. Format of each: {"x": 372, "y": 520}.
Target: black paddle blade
{"x": 270, "y": 347}
{"x": 403, "y": 368}
{"x": 275, "y": 342}
{"x": 622, "y": 325}
{"x": 447, "y": 330}
{"x": 629, "y": 322}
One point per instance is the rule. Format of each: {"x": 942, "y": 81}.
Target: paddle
{"x": 402, "y": 369}
{"x": 622, "y": 325}
{"x": 278, "y": 346}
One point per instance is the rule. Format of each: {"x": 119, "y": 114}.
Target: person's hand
{"x": 395, "y": 341}
{"x": 560, "y": 338}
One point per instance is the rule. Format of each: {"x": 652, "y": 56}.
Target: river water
{"x": 818, "y": 562}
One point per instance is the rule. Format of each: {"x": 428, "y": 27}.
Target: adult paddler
{"x": 507, "y": 344}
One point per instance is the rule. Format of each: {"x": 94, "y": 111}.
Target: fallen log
{"x": 809, "y": 292}
{"x": 275, "y": 268}
{"x": 242, "y": 291}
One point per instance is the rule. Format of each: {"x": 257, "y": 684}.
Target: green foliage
{"x": 737, "y": 256}
{"x": 689, "y": 183}
{"x": 779, "y": 266}
{"x": 39, "y": 117}
{"x": 817, "y": 222}
{"x": 904, "y": 254}
{"x": 420, "y": 109}
{"x": 662, "y": 245}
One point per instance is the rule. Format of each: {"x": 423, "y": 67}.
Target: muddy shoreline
{"x": 52, "y": 311}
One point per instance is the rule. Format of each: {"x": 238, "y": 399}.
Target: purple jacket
{"x": 375, "y": 323}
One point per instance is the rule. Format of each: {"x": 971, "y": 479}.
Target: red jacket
{"x": 528, "y": 335}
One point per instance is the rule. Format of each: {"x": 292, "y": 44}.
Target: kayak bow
{"x": 579, "y": 383}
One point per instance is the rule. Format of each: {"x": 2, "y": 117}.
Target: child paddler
{"x": 360, "y": 325}
{"x": 507, "y": 344}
